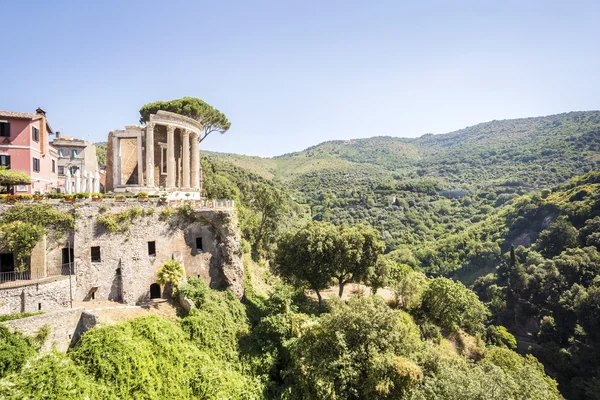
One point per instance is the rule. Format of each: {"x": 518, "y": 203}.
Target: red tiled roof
{"x": 24, "y": 115}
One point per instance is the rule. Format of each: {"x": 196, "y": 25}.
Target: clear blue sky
{"x": 293, "y": 74}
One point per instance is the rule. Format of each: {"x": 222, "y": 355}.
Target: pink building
{"x": 24, "y": 146}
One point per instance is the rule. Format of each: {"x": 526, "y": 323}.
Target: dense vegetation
{"x": 417, "y": 190}
{"x": 275, "y": 347}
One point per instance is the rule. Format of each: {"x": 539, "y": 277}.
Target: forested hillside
{"x": 417, "y": 190}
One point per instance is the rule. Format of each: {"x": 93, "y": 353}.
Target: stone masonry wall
{"x": 49, "y": 294}
{"x": 66, "y": 326}
{"x": 126, "y": 269}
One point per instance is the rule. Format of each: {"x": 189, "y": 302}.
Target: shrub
{"x": 96, "y": 195}
{"x": 142, "y": 194}
{"x": 82, "y": 195}
{"x": 119, "y": 222}
{"x": 15, "y": 350}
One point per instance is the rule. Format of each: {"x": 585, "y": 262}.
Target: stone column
{"x": 116, "y": 162}
{"x": 195, "y": 161}
{"x": 150, "y": 155}
{"x": 140, "y": 160}
{"x": 170, "y": 156}
{"x": 186, "y": 159}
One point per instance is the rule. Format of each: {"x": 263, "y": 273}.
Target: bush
{"x": 82, "y": 195}
{"x": 15, "y": 350}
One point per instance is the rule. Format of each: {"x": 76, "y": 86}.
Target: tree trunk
{"x": 320, "y": 298}
{"x": 342, "y": 283}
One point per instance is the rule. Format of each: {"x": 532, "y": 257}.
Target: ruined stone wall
{"x": 127, "y": 270}
{"x": 129, "y": 161}
{"x": 49, "y": 294}
{"x": 66, "y": 326}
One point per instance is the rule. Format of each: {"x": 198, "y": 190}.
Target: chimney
{"x": 40, "y": 111}
{"x": 57, "y": 135}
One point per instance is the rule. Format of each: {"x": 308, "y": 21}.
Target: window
{"x": 199, "y": 244}
{"x": 163, "y": 159}
{"x": 151, "y": 248}
{"x": 73, "y": 153}
{"x": 61, "y": 170}
{"x": 96, "y": 254}
{"x": 36, "y": 164}
{"x": 61, "y": 152}
{"x": 53, "y": 166}
{"x": 5, "y": 161}
{"x": 73, "y": 170}
{"x": 4, "y": 129}
{"x": 35, "y": 134}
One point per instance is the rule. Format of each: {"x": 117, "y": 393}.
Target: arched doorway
{"x": 155, "y": 291}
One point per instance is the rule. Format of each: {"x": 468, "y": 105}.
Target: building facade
{"x": 74, "y": 155}
{"x": 25, "y": 147}
{"x": 165, "y": 154}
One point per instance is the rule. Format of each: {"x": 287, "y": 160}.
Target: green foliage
{"x": 217, "y": 322}
{"x": 20, "y": 238}
{"x": 499, "y": 336}
{"x": 361, "y": 349}
{"x": 13, "y": 177}
{"x": 170, "y": 272}
{"x": 151, "y": 358}
{"x": 13, "y": 316}
{"x": 452, "y": 306}
{"x": 212, "y": 119}
{"x": 558, "y": 237}
{"x": 408, "y": 286}
{"x": 53, "y": 376}
{"x": 119, "y": 222}
{"x": 42, "y": 215}
{"x": 15, "y": 350}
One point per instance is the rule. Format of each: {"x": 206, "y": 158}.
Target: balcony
{"x": 15, "y": 279}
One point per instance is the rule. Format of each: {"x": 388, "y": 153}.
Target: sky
{"x": 292, "y": 74}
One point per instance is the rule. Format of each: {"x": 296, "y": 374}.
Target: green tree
{"x": 270, "y": 205}
{"x": 305, "y": 256}
{"x": 360, "y": 350}
{"x": 453, "y": 306}
{"x": 558, "y": 237}
{"x": 170, "y": 272}
{"x": 212, "y": 119}
{"x": 379, "y": 276}
{"x": 409, "y": 286}
{"x": 356, "y": 253}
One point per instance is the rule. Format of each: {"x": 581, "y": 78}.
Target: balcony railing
{"x": 14, "y": 278}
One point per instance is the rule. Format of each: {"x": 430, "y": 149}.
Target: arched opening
{"x": 155, "y": 291}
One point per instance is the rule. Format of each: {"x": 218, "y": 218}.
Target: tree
{"x": 558, "y": 237}
{"x": 453, "y": 306}
{"x": 362, "y": 349}
{"x": 356, "y": 254}
{"x": 271, "y": 205}
{"x": 170, "y": 272}
{"x": 212, "y": 119}
{"x": 408, "y": 286}
{"x": 305, "y": 257}
{"x": 379, "y": 276}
